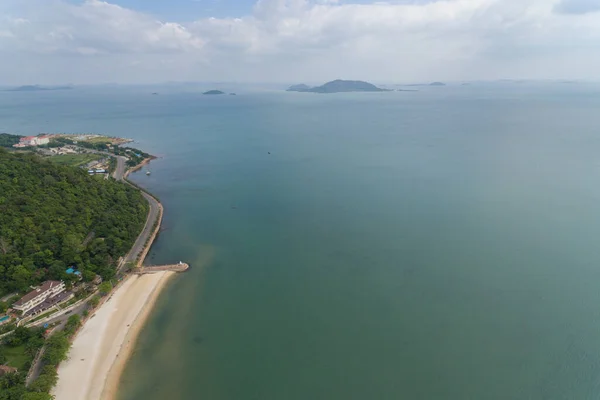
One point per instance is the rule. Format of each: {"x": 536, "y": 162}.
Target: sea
{"x": 434, "y": 244}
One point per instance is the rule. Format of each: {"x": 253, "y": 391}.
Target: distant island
{"x": 35, "y": 88}
{"x": 338, "y": 86}
{"x": 213, "y": 92}
{"x": 426, "y": 84}
{"x": 299, "y": 88}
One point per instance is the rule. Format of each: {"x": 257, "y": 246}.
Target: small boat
{"x": 147, "y": 172}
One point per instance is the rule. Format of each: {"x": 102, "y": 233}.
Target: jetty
{"x": 152, "y": 269}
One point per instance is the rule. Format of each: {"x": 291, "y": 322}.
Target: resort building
{"x": 33, "y": 141}
{"x": 41, "y": 298}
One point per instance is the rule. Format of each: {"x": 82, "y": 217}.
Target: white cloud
{"x": 311, "y": 40}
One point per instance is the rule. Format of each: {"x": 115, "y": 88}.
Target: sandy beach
{"x": 100, "y": 350}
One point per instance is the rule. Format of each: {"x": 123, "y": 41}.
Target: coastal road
{"x": 139, "y": 244}
{"x": 153, "y": 213}
{"x": 120, "y": 168}
{"x": 62, "y": 319}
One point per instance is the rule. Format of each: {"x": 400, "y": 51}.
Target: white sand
{"x": 100, "y": 350}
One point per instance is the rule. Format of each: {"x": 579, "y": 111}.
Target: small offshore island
{"x": 37, "y": 88}
{"x": 213, "y": 92}
{"x": 338, "y": 86}
{"x": 70, "y": 313}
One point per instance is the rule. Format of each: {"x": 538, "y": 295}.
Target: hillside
{"x": 299, "y": 88}
{"x": 7, "y": 140}
{"x": 53, "y": 217}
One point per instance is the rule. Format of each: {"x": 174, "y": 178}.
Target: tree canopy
{"x": 7, "y": 140}
{"x": 53, "y": 217}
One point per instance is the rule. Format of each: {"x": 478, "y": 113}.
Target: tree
{"x": 72, "y": 324}
{"x": 105, "y": 288}
{"x": 37, "y": 396}
{"x": 93, "y": 302}
{"x": 20, "y": 335}
{"x": 3, "y": 307}
{"x": 46, "y": 381}
{"x": 57, "y": 347}
{"x": 33, "y": 345}
{"x": 88, "y": 275}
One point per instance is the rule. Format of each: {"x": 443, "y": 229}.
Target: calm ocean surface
{"x": 440, "y": 244}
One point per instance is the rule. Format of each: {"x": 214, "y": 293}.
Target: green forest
{"x": 7, "y": 140}
{"x": 53, "y": 217}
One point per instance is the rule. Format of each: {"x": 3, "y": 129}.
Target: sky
{"x": 294, "y": 41}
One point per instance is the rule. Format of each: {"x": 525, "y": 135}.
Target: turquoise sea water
{"x": 440, "y": 244}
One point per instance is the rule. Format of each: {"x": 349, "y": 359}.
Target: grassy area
{"x": 16, "y": 356}
{"x": 101, "y": 139}
{"x": 75, "y": 160}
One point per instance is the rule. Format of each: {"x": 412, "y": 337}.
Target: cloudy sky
{"x": 148, "y": 41}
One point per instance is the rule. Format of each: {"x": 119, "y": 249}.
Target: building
{"x": 33, "y": 141}
{"x": 45, "y": 294}
{"x": 5, "y": 369}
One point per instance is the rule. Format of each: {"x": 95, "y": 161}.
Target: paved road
{"x": 138, "y": 246}
{"x": 63, "y": 318}
{"x": 120, "y": 168}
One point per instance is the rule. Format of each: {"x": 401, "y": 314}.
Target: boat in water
{"x": 147, "y": 172}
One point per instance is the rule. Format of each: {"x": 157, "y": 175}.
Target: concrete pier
{"x": 151, "y": 269}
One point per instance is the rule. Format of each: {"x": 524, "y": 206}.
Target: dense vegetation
{"x": 19, "y": 350}
{"x": 53, "y": 217}
{"x": 12, "y": 386}
{"x": 7, "y": 140}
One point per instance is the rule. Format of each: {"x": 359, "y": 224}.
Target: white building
{"x": 33, "y": 141}
{"x": 39, "y": 295}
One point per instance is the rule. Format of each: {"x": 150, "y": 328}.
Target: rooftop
{"x": 5, "y": 369}
{"x": 36, "y": 292}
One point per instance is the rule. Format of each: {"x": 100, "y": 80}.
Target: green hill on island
{"x": 213, "y": 92}
{"x": 299, "y": 88}
{"x": 53, "y": 217}
{"x": 338, "y": 86}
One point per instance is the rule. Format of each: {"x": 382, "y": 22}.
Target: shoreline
{"x": 113, "y": 377}
{"x": 139, "y": 166}
{"x": 104, "y": 344}
{"x": 106, "y": 341}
